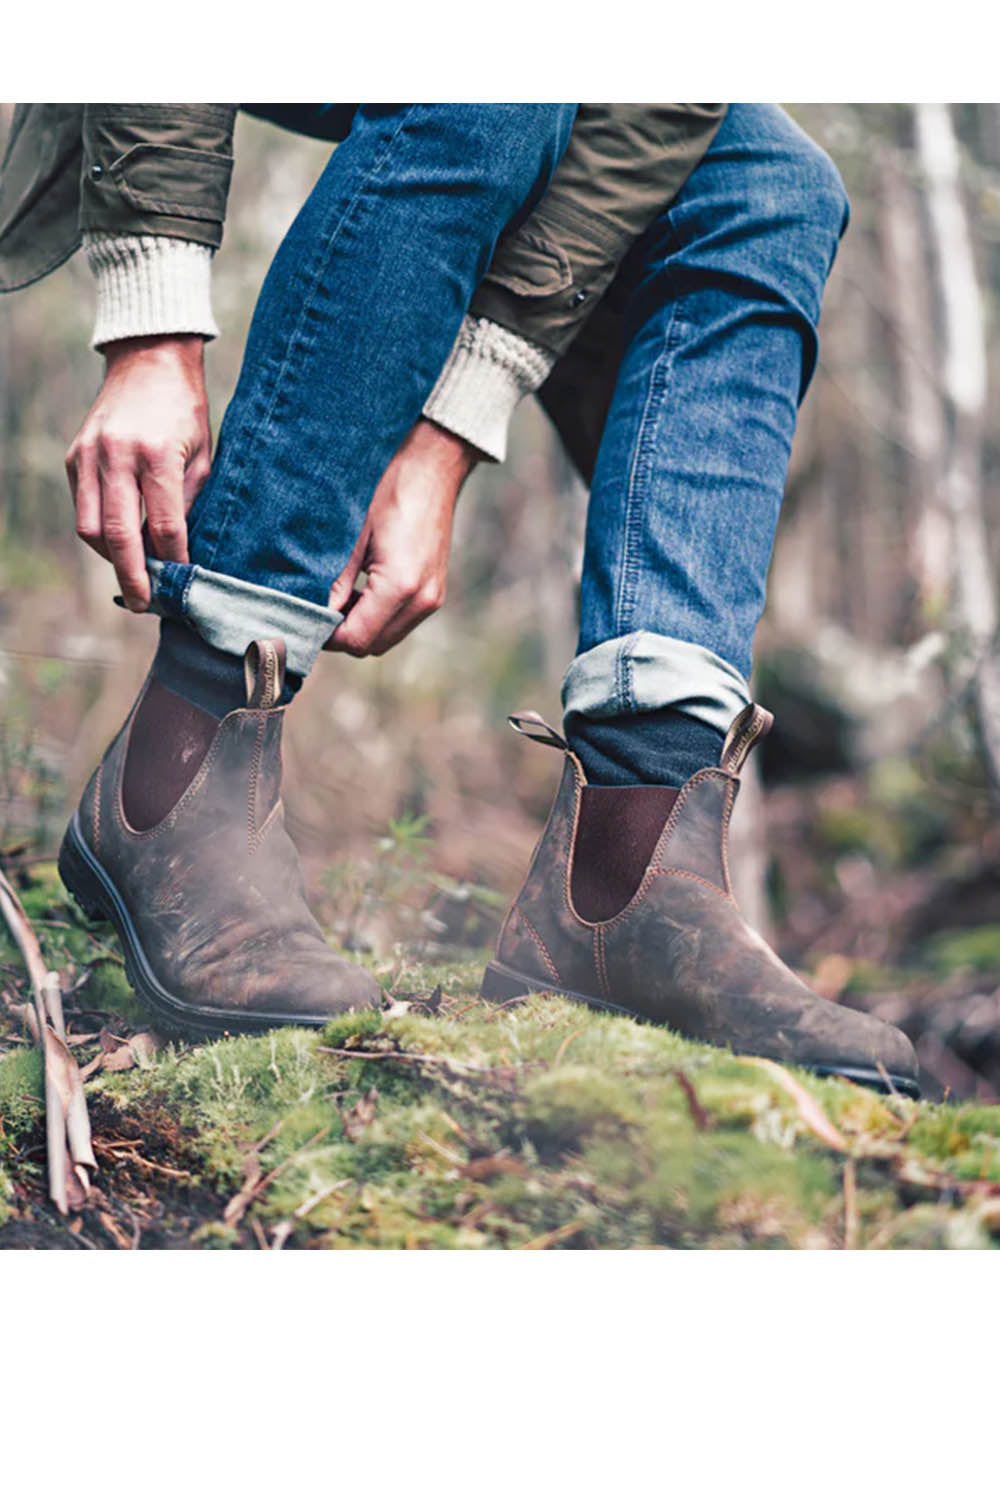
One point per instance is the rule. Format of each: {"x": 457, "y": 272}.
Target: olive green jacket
{"x": 164, "y": 169}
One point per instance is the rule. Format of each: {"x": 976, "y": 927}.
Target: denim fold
{"x": 641, "y": 672}
{"x": 229, "y": 612}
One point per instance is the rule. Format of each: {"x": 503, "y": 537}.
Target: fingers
{"x": 343, "y": 585}
{"x": 195, "y": 475}
{"x": 329, "y": 644}
{"x": 163, "y": 492}
{"x": 426, "y": 603}
{"x": 377, "y": 606}
{"x": 121, "y": 524}
{"x": 85, "y": 487}
{"x": 384, "y": 613}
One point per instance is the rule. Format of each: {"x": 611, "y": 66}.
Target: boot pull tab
{"x": 744, "y": 732}
{"x": 264, "y": 671}
{"x": 535, "y": 728}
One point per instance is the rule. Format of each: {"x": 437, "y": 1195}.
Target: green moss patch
{"x": 446, "y": 1122}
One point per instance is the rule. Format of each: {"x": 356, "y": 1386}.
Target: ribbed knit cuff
{"x": 487, "y": 372}
{"x": 148, "y": 284}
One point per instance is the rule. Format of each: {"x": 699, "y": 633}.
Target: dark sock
{"x": 212, "y": 680}
{"x": 615, "y": 838}
{"x": 661, "y": 748}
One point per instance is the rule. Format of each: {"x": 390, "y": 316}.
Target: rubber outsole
{"x": 502, "y": 983}
{"x": 96, "y": 894}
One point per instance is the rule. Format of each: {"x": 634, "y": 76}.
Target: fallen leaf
{"x": 699, "y": 1114}
{"x": 144, "y": 1047}
{"x": 810, "y": 1112}
{"x": 118, "y": 1061}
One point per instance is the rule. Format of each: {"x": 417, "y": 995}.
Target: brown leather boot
{"x": 655, "y": 933}
{"x": 188, "y": 857}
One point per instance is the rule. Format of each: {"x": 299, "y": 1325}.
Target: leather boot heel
{"x": 79, "y": 880}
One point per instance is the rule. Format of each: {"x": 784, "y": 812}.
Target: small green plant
{"x": 375, "y": 902}
{"x": 32, "y": 791}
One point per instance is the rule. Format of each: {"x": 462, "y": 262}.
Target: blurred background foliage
{"x": 869, "y": 848}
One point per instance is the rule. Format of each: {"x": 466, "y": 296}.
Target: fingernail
{"x": 135, "y": 605}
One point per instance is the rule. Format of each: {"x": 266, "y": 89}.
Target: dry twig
{"x": 67, "y": 1126}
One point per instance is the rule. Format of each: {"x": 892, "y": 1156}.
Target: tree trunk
{"x": 974, "y": 599}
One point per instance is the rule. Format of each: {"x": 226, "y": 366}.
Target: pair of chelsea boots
{"x": 630, "y": 912}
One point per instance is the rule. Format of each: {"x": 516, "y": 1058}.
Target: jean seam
{"x": 185, "y": 592}
{"x": 327, "y": 241}
{"x": 640, "y": 468}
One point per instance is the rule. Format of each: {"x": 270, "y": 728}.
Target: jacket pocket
{"x": 175, "y": 180}
{"x": 529, "y": 264}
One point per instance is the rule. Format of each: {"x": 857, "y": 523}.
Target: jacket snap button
{"x": 578, "y": 297}
{"x": 96, "y": 172}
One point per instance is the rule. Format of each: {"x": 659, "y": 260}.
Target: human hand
{"x": 145, "y": 442}
{"x": 404, "y": 543}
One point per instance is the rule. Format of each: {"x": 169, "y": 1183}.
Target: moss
{"x": 587, "y": 1132}
{"x": 21, "y": 1095}
{"x": 6, "y": 1197}
{"x": 448, "y": 1122}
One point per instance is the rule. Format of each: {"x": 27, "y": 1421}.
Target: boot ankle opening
{"x": 168, "y": 741}
{"x": 617, "y": 831}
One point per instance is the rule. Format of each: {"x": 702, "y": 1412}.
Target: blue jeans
{"x": 356, "y": 317}
{"x": 722, "y": 301}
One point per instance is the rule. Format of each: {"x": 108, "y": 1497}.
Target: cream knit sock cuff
{"x": 149, "y": 284}
{"x": 487, "y": 372}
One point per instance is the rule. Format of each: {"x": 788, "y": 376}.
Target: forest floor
{"x": 445, "y": 1121}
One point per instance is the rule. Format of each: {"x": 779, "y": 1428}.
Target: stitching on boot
{"x": 727, "y": 813}
{"x": 539, "y": 944}
{"x": 709, "y": 773}
{"x": 652, "y": 874}
{"x": 253, "y": 834}
{"x": 270, "y": 673}
{"x": 171, "y": 818}
{"x": 578, "y": 785}
{"x": 690, "y": 875}
{"x": 653, "y": 869}
{"x": 97, "y": 808}
{"x": 599, "y": 962}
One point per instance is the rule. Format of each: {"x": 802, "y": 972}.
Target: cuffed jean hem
{"x": 641, "y": 672}
{"x": 229, "y": 613}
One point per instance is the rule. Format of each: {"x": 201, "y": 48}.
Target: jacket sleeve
{"x": 157, "y": 169}
{"x": 154, "y": 187}
{"x": 623, "y": 166}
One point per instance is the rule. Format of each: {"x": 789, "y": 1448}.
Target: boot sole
{"x": 501, "y": 983}
{"x": 96, "y": 894}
